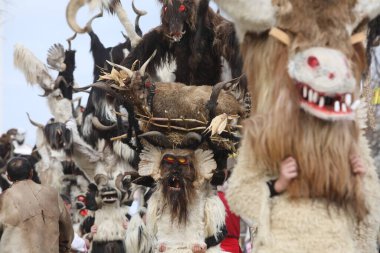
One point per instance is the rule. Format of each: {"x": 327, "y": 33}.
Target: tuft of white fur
{"x": 123, "y": 151}
{"x": 60, "y": 107}
{"x": 215, "y": 215}
{"x": 33, "y": 69}
{"x": 87, "y": 127}
{"x": 138, "y": 239}
{"x": 367, "y": 8}
{"x": 109, "y": 221}
{"x": 165, "y": 72}
{"x": 250, "y": 15}
{"x": 150, "y": 162}
{"x": 204, "y": 163}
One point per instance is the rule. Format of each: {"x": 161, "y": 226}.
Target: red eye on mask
{"x": 182, "y": 8}
{"x": 83, "y": 212}
{"x": 169, "y": 159}
{"x": 183, "y": 160}
{"x": 81, "y": 198}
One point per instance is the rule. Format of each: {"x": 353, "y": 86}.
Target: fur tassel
{"x": 256, "y": 16}
{"x": 150, "y": 162}
{"x": 247, "y": 183}
{"x": 205, "y": 163}
{"x": 33, "y": 69}
{"x": 215, "y": 215}
{"x": 138, "y": 239}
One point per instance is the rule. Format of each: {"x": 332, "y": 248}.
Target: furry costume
{"x": 305, "y": 111}
{"x": 205, "y": 212}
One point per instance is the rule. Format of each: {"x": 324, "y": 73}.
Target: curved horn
{"x": 129, "y": 72}
{"x": 143, "y": 67}
{"x": 156, "y": 139}
{"x": 71, "y": 13}
{"x": 35, "y": 123}
{"x": 101, "y": 179}
{"x": 88, "y": 27}
{"x": 123, "y": 17}
{"x": 98, "y": 125}
{"x": 71, "y": 39}
{"x": 137, "y": 11}
{"x": 137, "y": 20}
{"x": 191, "y": 140}
{"x": 119, "y": 183}
{"x": 58, "y": 80}
{"x": 213, "y": 102}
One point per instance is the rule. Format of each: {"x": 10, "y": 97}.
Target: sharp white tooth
{"x": 310, "y": 96}
{"x": 355, "y": 105}
{"x": 315, "y": 97}
{"x": 336, "y": 106}
{"x": 321, "y": 102}
{"x": 344, "y": 107}
{"x": 304, "y": 91}
{"x": 348, "y": 99}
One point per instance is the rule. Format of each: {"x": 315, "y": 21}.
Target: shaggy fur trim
{"x": 138, "y": 239}
{"x": 110, "y": 224}
{"x": 255, "y": 16}
{"x": 215, "y": 215}
{"x": 123, "y": 150}
{"x": 367, "y": 8}
{"x": 248, "y": 193}
{"x": 150, "y": 162}
{"x": 152, "y": 212}
{"x": 367, "y": 232}
{"x": 59, "y": 107}
{"x": 205, "y": 163}
{"x": 33, "y": 69}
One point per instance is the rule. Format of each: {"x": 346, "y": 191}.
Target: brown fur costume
{"x": 326, "y": 208}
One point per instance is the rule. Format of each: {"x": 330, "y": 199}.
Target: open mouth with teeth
{"x": 174, "y": 184}
{"x": 176, "y": 37}
{"x": 326, "y": 106}
{"x": 109, "y": 197}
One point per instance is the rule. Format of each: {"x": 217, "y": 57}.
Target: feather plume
{"x": 34, "y": 70}
{"x": 56, "y": 57}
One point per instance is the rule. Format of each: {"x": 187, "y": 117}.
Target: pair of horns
{"x": 112, "y": 6}
{"x": 142, "y": 70}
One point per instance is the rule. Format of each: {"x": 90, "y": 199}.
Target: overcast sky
{"x": 38, "y": 24}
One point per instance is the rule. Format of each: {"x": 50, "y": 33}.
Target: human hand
{"x": 288, "y": 171}
{"x": 197, "y": 248}
{"x": 162, "y": 247}
{"x": 358, "y": 167}
{"x": 94, "y": 229}
{"x": 125, "y": 224}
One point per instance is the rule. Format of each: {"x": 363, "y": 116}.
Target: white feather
{"x": 56, "y": 57}
{"x": 33, "y": 69}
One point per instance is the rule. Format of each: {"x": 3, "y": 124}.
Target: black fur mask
{"x": 178, "y": 176}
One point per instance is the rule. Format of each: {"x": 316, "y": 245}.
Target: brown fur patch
{"x": 278, "y": 127}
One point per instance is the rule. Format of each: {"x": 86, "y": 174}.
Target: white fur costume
{"x": 206, "y": 213}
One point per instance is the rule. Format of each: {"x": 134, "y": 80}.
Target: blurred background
{"x": 37, "y": 25}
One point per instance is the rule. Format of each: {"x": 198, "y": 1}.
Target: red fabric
{"x": 231, "y": 242}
